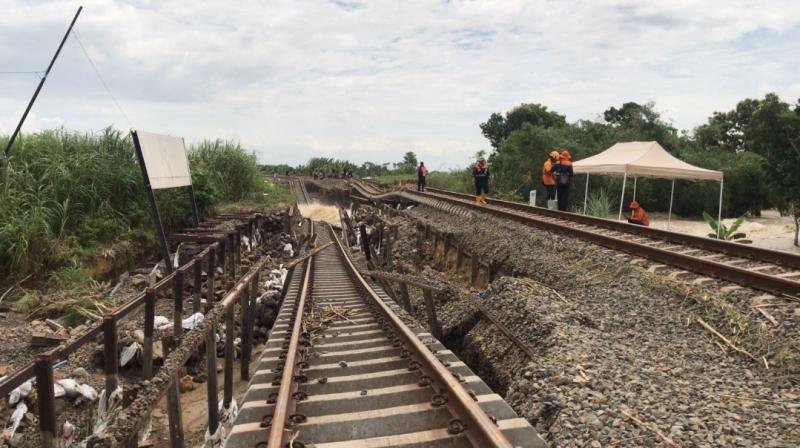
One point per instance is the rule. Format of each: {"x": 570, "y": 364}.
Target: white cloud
{"x": 370, "y": 80}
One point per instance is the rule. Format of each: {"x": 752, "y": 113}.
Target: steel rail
{"x": 752, "y": 279}
{"x": 780, "y": 258}
{"x": 284, "y": 405}
{"x": 478, "y": 427}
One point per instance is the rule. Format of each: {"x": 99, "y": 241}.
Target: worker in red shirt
{"x": 422, "y": 173}
{"x": 638, "y": 216}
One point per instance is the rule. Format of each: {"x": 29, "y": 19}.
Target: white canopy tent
{"x": 644, "y": 159}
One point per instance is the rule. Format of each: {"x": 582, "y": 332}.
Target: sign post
{"x": 163, "y": 161}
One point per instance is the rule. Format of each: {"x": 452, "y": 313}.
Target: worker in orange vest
{"x": 548, "y": 179}
{"x": 638, "y": 216}
{"x": 563, "y": 173}
{"x": 480, "y": 171}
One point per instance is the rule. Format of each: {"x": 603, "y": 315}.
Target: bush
{"x": 65, "y": 194}
{"x": 599, "y": 204}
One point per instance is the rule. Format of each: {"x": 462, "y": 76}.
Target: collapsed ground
{"x": 620, "y": 356}
{"x": 85, "y": 366}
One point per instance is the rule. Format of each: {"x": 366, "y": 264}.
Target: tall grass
{"x": 65, "y": 195}
{"x": 599, "y": 204}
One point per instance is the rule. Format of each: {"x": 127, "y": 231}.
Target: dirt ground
{"x": 770, "y": 231}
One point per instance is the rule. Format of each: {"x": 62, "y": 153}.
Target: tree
{"x": 496, "y": 129}
{"x": 409, "y": 163}
{"x": 770, "y": 128}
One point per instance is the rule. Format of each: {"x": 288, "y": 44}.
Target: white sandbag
{"x": 128, "y": 353}
{"x": 86, "y": 393}
{"x": 161, "y": 323}
{"x": 14, "y": 421}
{"x": 70, "y": 387}
{"x": 228, "y": 415}
{"x": 20, "y": 393}
{"x": 191, "y": 322}
{"x": 58, "y": 391}
{"x": 214, "y": 440}
{"x": 106, "y": 408}
{"x": 287, "y": 250}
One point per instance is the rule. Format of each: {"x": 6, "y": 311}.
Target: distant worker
{"x": 422, "y": 173}
{"x": 481, "y": 174}
{"x": 563, "y": 174}
{"x": 548, "y": 179}
{"x": 638, "y": 216}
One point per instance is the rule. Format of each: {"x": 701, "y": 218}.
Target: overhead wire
{"x": 100, "y": 77}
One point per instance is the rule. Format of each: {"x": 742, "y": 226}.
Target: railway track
{"x": 342, "y": 368}
{"x": 698, "y": 259}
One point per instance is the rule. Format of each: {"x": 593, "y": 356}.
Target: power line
{"x": 22, "y": 73}
{"x": 100, "y": 77}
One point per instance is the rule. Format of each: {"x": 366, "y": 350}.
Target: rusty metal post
{"x": 388, "y": 235}
{"x": 223, "y": 248}
{"x": 364, "y": 241}
{"x": 198, "y": 284}
{"x": 247, "y": 306}
{"x": 178, "y": 311}
{"x": 46, "y": 399}
{"x": 212, "y": 268}
{"x": 404, "y": 297}
{"x": 110, "y": 356}
{"x": 238, "y": 246}
{"x": 149, "y": 317}
{"x": 474, "y": 270}
{"x": 211, "y": 383}
{"x": 446, "y": 249}
{"x": 229, "y": 335}
{"x": 176, "y": 437}
{"x": 433, "y": 322}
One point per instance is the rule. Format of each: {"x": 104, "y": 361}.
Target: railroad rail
{"x": 342, "y": 368}
{"x": 775, "y": 272}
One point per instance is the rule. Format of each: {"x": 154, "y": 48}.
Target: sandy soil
{"x": 770, "y": 231}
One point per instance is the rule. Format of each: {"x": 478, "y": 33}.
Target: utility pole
{"x": 41, "y": 83}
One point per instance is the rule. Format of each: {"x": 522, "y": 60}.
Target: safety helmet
{"x": 554, "y": 154}
{"x": 565, "y": 154}
{"x": 634, "y": 204}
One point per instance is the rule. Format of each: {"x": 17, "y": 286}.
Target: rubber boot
{"x": 483, "y": 198}
{"x": 477, "y": 199}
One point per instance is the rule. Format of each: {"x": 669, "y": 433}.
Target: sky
{"x": 370, "y": 80}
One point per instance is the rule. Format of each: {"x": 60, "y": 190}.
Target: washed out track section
{"x": 697, "y": 259}
{"x": 358, "y": 383}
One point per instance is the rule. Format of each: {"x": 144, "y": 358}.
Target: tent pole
{"x": 634, "y": 187}
{"x": 719, "y": 212}
{"x": 586, "y": 193}
{"x": 622, "y": 196}
{"x": 671, "y": 195}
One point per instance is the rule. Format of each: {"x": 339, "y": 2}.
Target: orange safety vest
{"x": 547, "y": 174}
{"x": 639, "y": 215}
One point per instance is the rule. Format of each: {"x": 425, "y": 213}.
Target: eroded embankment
{"x": 619, "y": 357}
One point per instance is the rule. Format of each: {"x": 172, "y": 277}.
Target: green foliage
{"x": 388, "y": 179}
{"x": 409, "y": 163}
{"x": 64, "y": 195}
{"x": 496, "y": 129}
{"x": 454, "y": 180}
{"x": 599, "y": 204}
{"x": 231, "y": 171}
{"x": 723, "y": 232}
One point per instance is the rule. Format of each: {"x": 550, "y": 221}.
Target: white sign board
{"x": 165, "y": 159}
